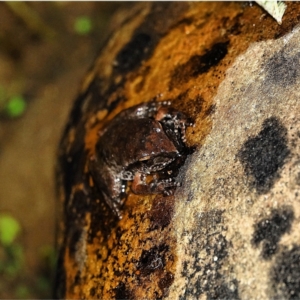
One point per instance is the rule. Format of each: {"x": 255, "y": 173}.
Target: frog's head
{"x": 155, "y": 149}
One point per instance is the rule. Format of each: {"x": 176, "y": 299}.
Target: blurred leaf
{"x": 22, "y": 291}
{"x": 43, "y": 284}
{"x": 9, "y": 229}
{"x": 17, "y": 254}
{"x": 11, "y": 270}
{"x": 83, "y": 25}
{"x": 14, "y": 260}
{"x": 16, "y": 106}
{"x": 31, "y": 18}
{"x": 48, "y": 255}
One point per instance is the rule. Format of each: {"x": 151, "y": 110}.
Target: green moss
{"x": 83, "y": 25}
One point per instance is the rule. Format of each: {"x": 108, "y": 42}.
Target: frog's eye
{"x": 145, "y": 158}
{"x": 161, "y": 160}
{"x": 158, "y": 163}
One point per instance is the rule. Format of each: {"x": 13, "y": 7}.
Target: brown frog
{"x": 141, "y": 144}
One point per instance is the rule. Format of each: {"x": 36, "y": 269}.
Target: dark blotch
{"x": 72, "y": 165}
{"x": 211, "y": 110}
{"x": 224, "y": 291}
{"x": 202, "y": 63}
{"x": 165, "y": 282}
{"x": 76, "y": 112}
{"x": 75, "y": 235}
{"x": 204, "y": 274}
{"x": 92, "y": 292}
{"x": 152, "y": 259}
{"x": 100, "y": 211}
{"x": 162, "y": 17}
{"x": 263, "y": 155}
{"x": 282, "y": 69}
{"x": 59, "y": 289}
{"x": 161, "y": 212}
{"x": 121, "y": 292}
{"x": 285, "y": 275}
{"x": 77, "y": 279}
{"x": 198, "y": 64}
{"x": 269, "y": 230}
{"x": 232, "y": 25}
{"x": 79, "y": 204}
{"x": 133, "y": 53}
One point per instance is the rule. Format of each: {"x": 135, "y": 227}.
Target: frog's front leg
{"x": 156, "y": 186}
{"x": 109, "y": 184}
{"x": 115, "y": 206}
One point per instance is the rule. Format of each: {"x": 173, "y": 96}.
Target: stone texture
{"x": 243, "y": 182}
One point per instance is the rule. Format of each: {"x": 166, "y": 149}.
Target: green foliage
{"x": 43, "y": 284}
{"x": 12, "y": 254}
{"x": 47, "y": 254}
{"x": 22, "y": 291}
{"x": 9, "y": 229}
{"x": 83, "y": 25}
{"x": 15, "y": 106}
{"x": 12, "y": 261}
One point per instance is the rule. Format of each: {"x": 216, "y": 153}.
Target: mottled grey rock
{"x": 237, "y": 216}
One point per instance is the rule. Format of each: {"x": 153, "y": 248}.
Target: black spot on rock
{"x": 132, "y": 54}
{"x": 210, "y": 110}
{"x": 285, "y": 275}
{"x": 100, "y": 211}
{"x": 269, "y": 230}
{"x": 59, "y": 290}
{"x": 77, "y": 279}
{"x": 282, "y": 69}
{"x": 121, "y": 292}
{"x": 92, "y": 292}
{"x": 161, "y": 212}
{"x": 76, "y": 112}
{"x": 165, "y": 282}
{"x": 75, "y": 235}
{"x": 223, "y": 291}
{"x": 198, "y": 64}
{"x": 162, "y": 17}
{"x": 263, "y": 155}
{"x": 207, "y": 253}
{"x": 72, "y": 165}
{"x": 79, "y": 205}
{"x": 152, "y": 259}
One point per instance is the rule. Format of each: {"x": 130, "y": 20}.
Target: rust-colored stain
{"x": 177, "y": 52}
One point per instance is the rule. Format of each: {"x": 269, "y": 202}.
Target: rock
{"x": 231, "y": 231}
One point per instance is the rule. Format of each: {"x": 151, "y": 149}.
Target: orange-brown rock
{"x": 231, "y": 231}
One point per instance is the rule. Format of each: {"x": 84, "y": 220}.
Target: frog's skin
{"x": 141, "y": 140}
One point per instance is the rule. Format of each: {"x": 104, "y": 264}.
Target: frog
{"x": 140, "y": 145}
